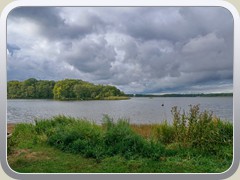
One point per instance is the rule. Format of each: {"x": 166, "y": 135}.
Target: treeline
{"x": 68, "y": 89}
{"x": 30, "y": 89}
{"x": 183, "y": 95}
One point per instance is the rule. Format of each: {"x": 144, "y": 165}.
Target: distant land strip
{"x": 183, "y": 95}
{"x": 77, "y": 89}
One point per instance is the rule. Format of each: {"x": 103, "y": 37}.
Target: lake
{"x": 138, "y": 110}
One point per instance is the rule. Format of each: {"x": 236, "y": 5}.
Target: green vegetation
{"x": 75, "y": 89}
{"x": 30, "y": 89}
{"x": 68, "y": 89}
{"x": 195, "y": 142}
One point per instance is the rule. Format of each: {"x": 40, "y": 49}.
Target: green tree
{"x": 14, "y": 89}
{"x": 82, "y": 91}
{"x": 29, "y": 88}
{"x": 44, "y": 89}
{"x": 63, "y": 89}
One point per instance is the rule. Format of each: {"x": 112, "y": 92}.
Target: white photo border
{"x": 115, "y": 3}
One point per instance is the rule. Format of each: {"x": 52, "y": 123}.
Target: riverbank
{"x": 194, "y": 143}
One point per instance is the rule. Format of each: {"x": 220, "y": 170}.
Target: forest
{"x": 67, "y": 89}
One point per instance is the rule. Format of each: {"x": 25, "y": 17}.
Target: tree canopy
{"x": 67, "y": 89}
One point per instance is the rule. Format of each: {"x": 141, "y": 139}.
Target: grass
{"x": 116, "y": 98}
{"x": 196, "y": 142}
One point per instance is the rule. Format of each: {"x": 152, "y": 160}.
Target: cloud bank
{"x": 137, "y": 49}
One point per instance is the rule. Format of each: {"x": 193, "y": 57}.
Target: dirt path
{"x": 10, "y": 127}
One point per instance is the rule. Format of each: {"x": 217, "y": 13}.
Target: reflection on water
{"x": 138, "y": 110}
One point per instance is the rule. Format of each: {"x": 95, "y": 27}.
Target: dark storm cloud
{"x": 54, "y": 26}
{"x": 46, "y": 16}
{"x": 175, "y": 24}
{"x": 91, "y": 55}
{"x": 155, "y": 49}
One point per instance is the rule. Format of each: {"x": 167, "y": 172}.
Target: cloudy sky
{"x": 139, "y": 50}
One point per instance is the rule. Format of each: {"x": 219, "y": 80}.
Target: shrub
{"x": 47, "y": 126}
{"x": 119, "y": 138}
{"x": 91, "y": 140}
{"x": 201, "y": 130}
{"x": 79, "y": 136}
{"x": 164, "y": 133}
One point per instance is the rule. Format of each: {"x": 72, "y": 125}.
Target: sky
{"x": 153, "y": 50}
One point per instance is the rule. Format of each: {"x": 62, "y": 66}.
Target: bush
{"x": 48, "y": 126}
{"x": 79, "y": 136}
{"x": 120, "y": 139}
{"x": 164, "y": 133}
{"x": 90, "y": 140}
{"x": 201, "y": 130}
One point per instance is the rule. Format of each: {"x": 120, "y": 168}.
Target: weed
{"x": 201, "y": 130}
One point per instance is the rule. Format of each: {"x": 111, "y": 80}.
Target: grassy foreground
{"x": 196, "y": 142}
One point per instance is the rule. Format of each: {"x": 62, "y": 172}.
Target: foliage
{"x": 119, "y": 138}
{"x": 195, "y": 142}
{"x": 164, "y": 132}
{"x": 64, "y": 89}
{"x": 24, "y": 135}
{"x": 89, "y": 140}
{"x": 201, "y": 130}
{"x": 81, "y": 136}
{"x": 30, "y": 88}
{"x": 68, "y": 89}
{"x": 81, "y": 90}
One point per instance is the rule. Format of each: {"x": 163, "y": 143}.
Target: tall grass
{"x": 194, "y": 130}
{"x": 72, "y": 135}
{"x": 91, "y": 140}
{"x": 200, "y": 130}
{"x": 164, "y": 133}
{"x": 119, "y": 138}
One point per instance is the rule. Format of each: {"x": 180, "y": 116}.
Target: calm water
{"x": 138, "y": 110}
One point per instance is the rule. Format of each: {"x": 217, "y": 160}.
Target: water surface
{"x": 137, "y": 110}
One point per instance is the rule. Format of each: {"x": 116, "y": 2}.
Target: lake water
{"x": 137, "y": 110}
